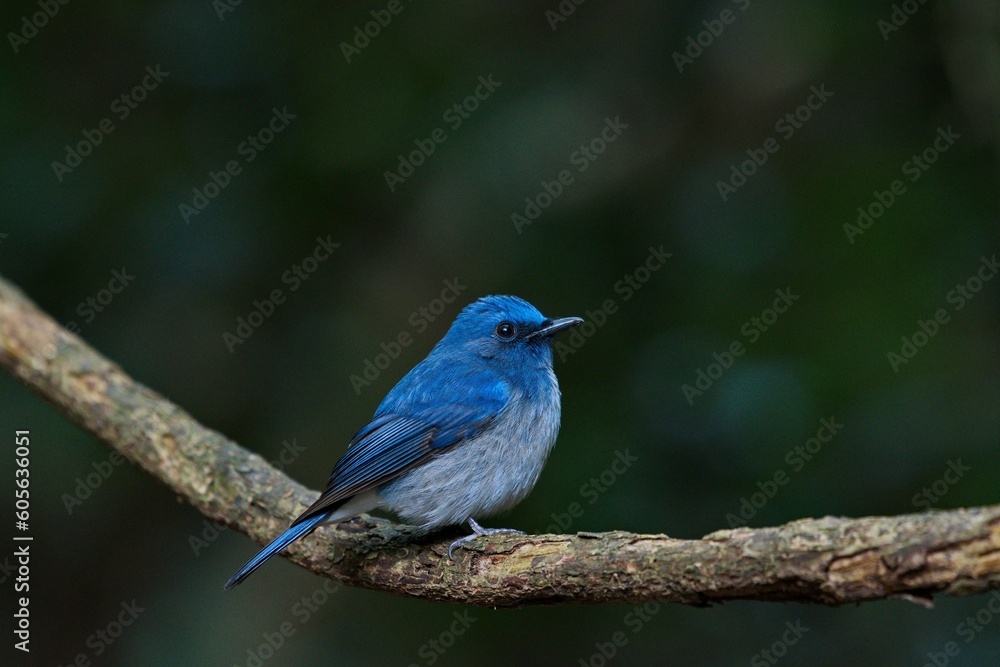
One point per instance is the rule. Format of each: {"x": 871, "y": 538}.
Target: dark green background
{"x": 323, "y": 176}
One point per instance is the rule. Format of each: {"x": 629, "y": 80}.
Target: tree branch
{"x": 827, "y": 561}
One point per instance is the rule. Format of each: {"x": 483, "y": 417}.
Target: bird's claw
{"x": 479, "y": 531}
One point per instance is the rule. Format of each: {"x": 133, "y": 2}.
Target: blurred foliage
{"x": 227, "y": 68}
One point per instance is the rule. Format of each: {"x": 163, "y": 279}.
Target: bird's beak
{"x": 552, "y": 327}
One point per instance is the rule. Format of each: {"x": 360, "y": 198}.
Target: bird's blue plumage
{"x": 464, "y": 434}
{"x": 295, "y": 532}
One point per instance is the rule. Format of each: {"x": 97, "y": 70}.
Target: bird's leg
{"x": 479, "y": 531}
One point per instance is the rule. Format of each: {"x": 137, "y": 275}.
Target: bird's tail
{"x": 293, "y": 533}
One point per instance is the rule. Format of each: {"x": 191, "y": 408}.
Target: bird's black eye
{"x": 506, "y": 330}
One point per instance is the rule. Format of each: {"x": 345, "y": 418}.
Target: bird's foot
{"x": 479, "y": 531}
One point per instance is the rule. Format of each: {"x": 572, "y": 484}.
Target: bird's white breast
{"x": 487, "y": 474}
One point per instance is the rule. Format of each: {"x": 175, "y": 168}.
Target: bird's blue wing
{"x": 393, "y": 443}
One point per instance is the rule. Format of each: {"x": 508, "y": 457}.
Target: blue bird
{"x": 464, "y": 434}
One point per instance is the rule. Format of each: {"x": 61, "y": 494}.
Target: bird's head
{"x": 507, "y": 329}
